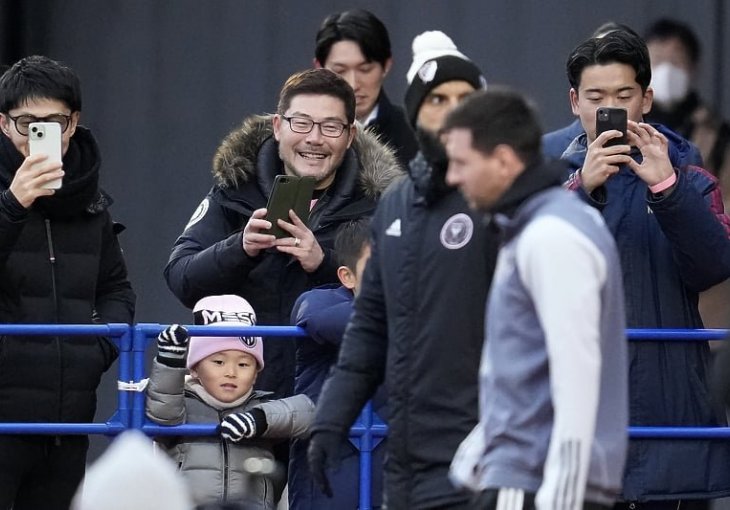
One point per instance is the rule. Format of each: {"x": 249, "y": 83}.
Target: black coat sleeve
{"x": 208, "y": 258}
{"x": 115, "y": 299}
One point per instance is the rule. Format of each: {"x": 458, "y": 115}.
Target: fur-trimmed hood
{"x": 235, "y": 160}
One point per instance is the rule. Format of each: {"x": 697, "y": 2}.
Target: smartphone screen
{"x": 45, "y": 138}
{"x": 288, "y": 192}
{"x": 608, "y": 118}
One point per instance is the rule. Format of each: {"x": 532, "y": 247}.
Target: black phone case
{"x": 288, "y": 192}
{"x": 608, "y": 118}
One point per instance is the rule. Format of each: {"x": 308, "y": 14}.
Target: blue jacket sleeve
{"x": 360, "y": 368}
{"x": 693, "y": 219}
{"x": 208, "y": 257}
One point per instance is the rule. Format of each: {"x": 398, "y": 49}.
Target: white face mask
{"x": 670, "y": 83}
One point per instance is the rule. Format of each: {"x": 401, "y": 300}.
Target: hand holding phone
{"x": 609, "y": 118}
{"x": 288, "y": 193}
{"x": 45, "y": 138}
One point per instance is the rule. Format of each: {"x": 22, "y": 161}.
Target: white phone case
{"x": 45, "y": 138}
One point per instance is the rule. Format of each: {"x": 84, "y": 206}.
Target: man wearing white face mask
{"x": 675, "y": 55}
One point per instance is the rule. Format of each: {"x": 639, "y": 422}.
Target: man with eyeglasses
{"x": 227, "y": 248}
{"x": 60, "y": 263}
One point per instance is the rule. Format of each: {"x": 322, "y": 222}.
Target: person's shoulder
{"x": 329, "y": 293}
{"x": 235, "y": 159}
{"x": 379, "y": 165}
{"x": 556, "y": 142}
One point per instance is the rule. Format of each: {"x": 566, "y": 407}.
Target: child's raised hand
{"x": 238, "y": 426}
{"x": 172, "y": 345}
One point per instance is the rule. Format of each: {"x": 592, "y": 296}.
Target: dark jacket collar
{"x": 80, "y": 190}
{"x": 534, "y": 179}
{"x": 428, "y": 168}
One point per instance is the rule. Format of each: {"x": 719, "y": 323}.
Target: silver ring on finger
{"x": 296, "y": 242}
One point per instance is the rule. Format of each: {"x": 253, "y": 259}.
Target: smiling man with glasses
{"x": 60, "y": 263}
{"x": 227, "y": 248}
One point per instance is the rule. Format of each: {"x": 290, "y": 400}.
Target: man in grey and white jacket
{"x": 553, "y": 378}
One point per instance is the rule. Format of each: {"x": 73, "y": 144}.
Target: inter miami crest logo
{"x": 248, "y": 341}
{"x": 457, "y": 231}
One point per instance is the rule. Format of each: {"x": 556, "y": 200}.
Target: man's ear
{"x": 276, "y": 124}
{"x": 5, "y": 124}
{"x": 647, "y": 100}
{"x": 316, "y": 64}
{"x": 387, "y": 66}
{"x": 510, "y": 162}
{"x": 573, "y": 95}
{"x": 351, "y": 134}
{"x": 75, "y": 117}
{"x": 347, "y": 278}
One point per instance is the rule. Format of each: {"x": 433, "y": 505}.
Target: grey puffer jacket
{"x": 213, "y": 466}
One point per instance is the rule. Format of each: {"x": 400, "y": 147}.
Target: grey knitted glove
{"x": 238, "y": 426}
{"x": 172, "y": 346}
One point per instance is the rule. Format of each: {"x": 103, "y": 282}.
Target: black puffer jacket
{"x": 208, "y": 257}
{"x": 60, "y": 262}
{"x": 421, "y": 311}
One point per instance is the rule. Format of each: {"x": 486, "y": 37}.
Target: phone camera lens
{"x": 40, "y": 135}
{"x": 34, "y": 129}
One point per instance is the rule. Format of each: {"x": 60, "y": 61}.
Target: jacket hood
{"x": 236, "y": 159}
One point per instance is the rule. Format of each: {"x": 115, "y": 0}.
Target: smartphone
{"x": 45, "y": 138}
{"x": 608, "y": 118}
{"x": 288, "y": 192}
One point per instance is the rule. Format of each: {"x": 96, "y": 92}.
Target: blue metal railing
{"x": 366, "y": 434}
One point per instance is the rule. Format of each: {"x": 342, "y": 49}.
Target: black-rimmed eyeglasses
{"x": 303, "y": 125}
{"x": 23, "y": 122}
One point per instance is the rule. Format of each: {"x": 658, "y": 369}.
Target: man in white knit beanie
{"x": 130, "y": 476}
{"x": 422, "y": 231}
{"x": 439, "y": 71}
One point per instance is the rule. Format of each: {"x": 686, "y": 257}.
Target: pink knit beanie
{"x": 225, "y": 310}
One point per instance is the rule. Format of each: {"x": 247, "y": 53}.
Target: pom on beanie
{"x": 436, "y": 60}
{"x": 225, "y": 310}
{"x": 129, "y": 475}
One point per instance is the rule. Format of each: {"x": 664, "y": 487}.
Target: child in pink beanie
{"x": 216, "y": 385}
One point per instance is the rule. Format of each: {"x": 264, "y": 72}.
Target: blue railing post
{"x": 122, "y": 335}
{"x": 141, "y": 333}
{"x": 365, "y": 445}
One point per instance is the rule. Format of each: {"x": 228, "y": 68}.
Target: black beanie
{"x": 436, "y": 60}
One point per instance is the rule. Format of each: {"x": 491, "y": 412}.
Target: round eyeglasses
{"x": 23, "y": 122}
{"x": 303, "y": 125}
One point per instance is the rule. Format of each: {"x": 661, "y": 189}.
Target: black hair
{"x": 39, "y": 77}
{"x": 318, "y": 82}
{"x": 499, "y": 116}
{"x": 619, "y": 47}
{"x": 612, "y": 26}
{"x": 666, "y": 28}
{"x": 359, "y": 26}
{"x": 351, "y": 239}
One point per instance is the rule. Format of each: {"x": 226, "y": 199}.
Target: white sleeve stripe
{"x": 509, "y": 498}
{"x": 566, "y": 493}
